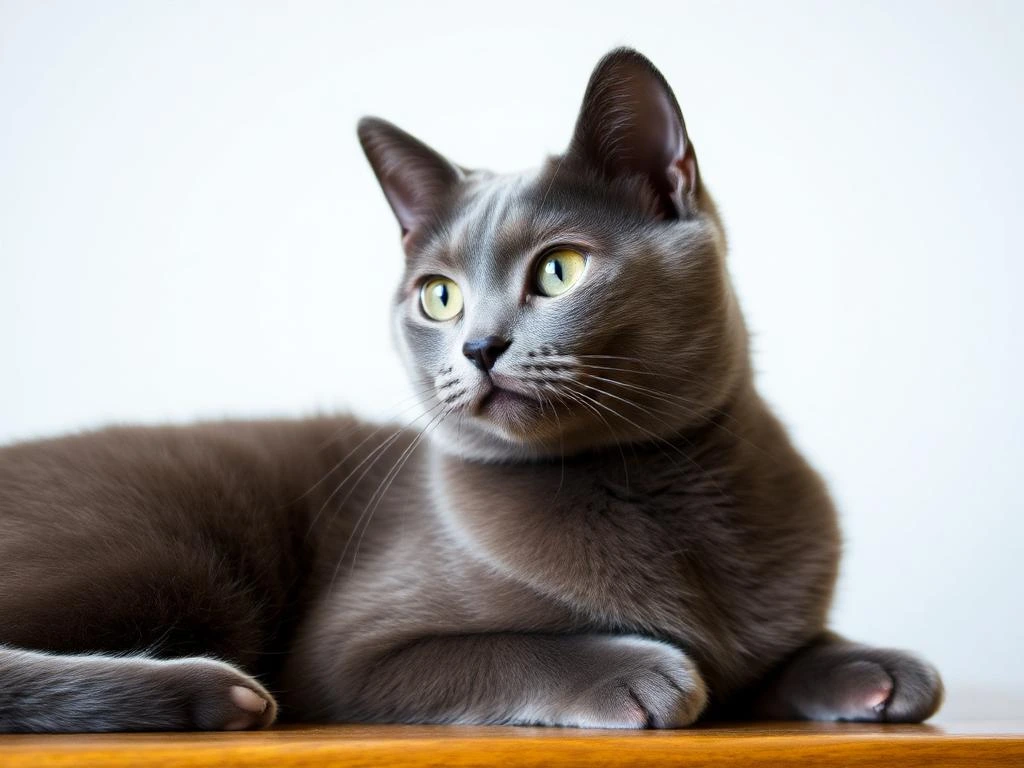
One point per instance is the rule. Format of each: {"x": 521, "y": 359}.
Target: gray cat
{"x": 598, "y": 522}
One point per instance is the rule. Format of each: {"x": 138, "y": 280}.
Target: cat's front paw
{"x": 219, "y": 697}
{"x": 639, "y": 683}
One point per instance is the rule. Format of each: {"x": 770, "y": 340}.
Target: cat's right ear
{"x": 414, "y": 177}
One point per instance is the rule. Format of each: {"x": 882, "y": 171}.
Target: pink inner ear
{"x": 685, "y": 171}
{"x": 679, "y": 158}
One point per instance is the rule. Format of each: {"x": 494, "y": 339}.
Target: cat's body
{"x": 646, "y": 542}
{"x": 597, "y": 522}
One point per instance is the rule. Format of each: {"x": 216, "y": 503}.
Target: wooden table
{"x": 775, "y": 744}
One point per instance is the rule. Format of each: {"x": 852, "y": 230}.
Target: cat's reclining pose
{"x": 598, "y": 523}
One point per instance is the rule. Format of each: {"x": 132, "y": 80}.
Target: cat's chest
{"x": 623, "y": 548}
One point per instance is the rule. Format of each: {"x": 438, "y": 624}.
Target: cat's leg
{"x": 835, "y": 679}
{"x": 42, "y": 692}
{"x": 597, "y": 681}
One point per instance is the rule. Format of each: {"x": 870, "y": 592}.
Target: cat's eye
{"x": 441, "y": 298}
{"x": 559, "y": 271}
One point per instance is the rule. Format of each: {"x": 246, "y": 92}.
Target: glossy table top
{"x": 754, "y": 744}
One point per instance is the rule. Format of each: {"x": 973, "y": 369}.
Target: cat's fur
{"x": 608, "y": 528}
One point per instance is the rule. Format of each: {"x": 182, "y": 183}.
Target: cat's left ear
{"x": 630, "y": 125}
{"x": 415, "y": 178}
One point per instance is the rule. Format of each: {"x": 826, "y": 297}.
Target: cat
{"x": 597, "y": 521}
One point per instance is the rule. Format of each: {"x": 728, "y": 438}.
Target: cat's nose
{"x": 484, "y": 353}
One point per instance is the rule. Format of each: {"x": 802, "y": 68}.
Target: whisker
{"x": 665, "y": 396}
{"x": 684, "y": 374}
{"x": 690, "y": 406}
{"x": 651, "y": 434}
{"x": 561, "y": 444}
{"x": 345, "y": 431}
{"x": 678, "y": 370}
{"x": 638, "y": 360}
{"x": 378, "y": 495}
{"x": 376, "y": 451}
{"x": 618, "y": 444}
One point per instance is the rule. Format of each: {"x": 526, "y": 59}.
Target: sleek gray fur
{"x": 607, "y": 528}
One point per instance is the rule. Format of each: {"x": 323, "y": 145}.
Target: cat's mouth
{"x": 500, "y": 397}
{"x": 504, "y": 402}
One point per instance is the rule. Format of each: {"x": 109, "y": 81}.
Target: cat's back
{"x": 142, "y": 475}
{"x": 200, "y": 531}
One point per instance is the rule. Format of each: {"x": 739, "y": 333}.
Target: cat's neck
{"x": 715, "y": 450}
{"x": 737, "y": 416}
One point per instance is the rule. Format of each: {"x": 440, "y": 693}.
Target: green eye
{"x": 559, "y": 271}
{"x": 441, "y": 298}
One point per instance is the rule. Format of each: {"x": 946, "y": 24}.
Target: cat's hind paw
{"x": 858, "y": 683}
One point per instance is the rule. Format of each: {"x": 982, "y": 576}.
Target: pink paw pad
{"x": 250, "y": 702}
{"x": 863, "y": 690}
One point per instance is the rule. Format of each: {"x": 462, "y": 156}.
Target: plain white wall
{"x": 188, "y": 230}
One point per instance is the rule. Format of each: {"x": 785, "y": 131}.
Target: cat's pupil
{"x": 555, "y": 267}
{"x": 442, "y": 294}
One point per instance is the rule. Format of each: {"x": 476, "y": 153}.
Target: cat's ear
{"x": 414, "y": 177}
{"x": 630, "y": 125}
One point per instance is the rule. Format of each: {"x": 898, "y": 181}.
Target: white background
{"x": 188, "y": 230}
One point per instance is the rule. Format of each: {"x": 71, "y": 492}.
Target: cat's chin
{"x": 512, "y": 412}
{"x": 504, "y": 405}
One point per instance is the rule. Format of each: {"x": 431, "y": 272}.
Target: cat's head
{"x": 578, "y": 306}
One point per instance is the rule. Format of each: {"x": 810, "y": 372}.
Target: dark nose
{"x": 484, "y": 353}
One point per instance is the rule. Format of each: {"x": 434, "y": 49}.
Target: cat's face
{"x": 583, "y": 305}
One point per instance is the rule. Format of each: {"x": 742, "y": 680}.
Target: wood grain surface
{"x": 777, "y": 744}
